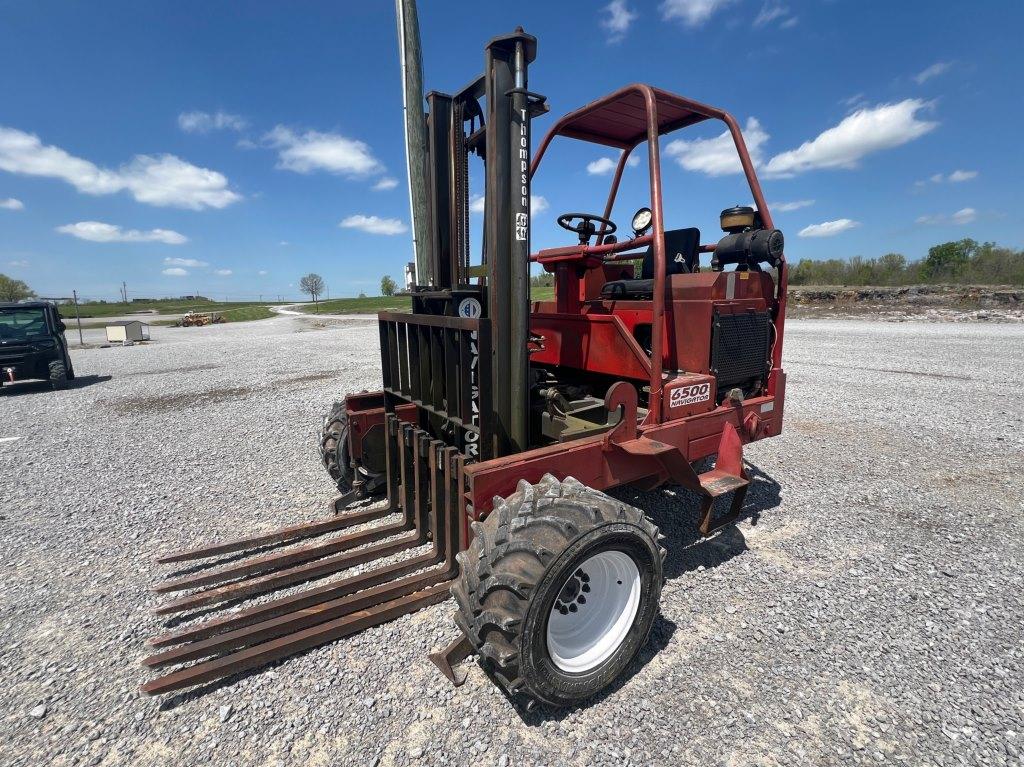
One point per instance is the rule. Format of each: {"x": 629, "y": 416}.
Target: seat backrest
{"x": 682, "y": 251}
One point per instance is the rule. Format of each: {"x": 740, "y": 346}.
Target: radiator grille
{"x": 740, "y": 348}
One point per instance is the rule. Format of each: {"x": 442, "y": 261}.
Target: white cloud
{"x": 284, "y": 243}
{"x": 856, "y": 136}
{"x": 163, "y": 180}
{"x": 385, "y": 184}
{"x": 693, "y": 13}
{"x": 17, "y": 264}
{"x": 774, "y": 11}
{"x": 936, "y": 69}
{"x": 312, "y": 151}
{"x": 618, "y": 20}
{"x": 828, "y": 228}
{"x": 374, "y": 224}
{"x": 538, "y": 204}
{"x": 175, "y": 272}
{"x": 203, "y": 122}
{"x": 964, "y": 216}
{"x": 168, "y": 181}
{"x": 190, "y": 262}
{"x": 961, "y": 217}
{"x": 96, "y": 231}
{"x": 855, "y": 101}
{"x": 962, "y": 175}
{"x": 717, "y": 156}
{"x": 601, "y": 166}
{"x": 786, "y": 207}
{"x": 262, "y": 272}
{"x": 956, "y": 177}
{"x": 223, "y": 272}
{"x": 12, "y": 204}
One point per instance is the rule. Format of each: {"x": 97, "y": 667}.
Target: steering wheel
{"x": 585, "y": 228}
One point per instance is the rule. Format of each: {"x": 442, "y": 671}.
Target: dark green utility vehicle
{"x": 32, "y": 344}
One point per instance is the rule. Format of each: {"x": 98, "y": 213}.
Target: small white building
{"x": 127, "y": 330}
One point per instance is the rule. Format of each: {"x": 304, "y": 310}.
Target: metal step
{"x": 718, "y": 482}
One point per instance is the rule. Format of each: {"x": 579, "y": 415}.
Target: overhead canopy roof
{"x": 620, "y": 119}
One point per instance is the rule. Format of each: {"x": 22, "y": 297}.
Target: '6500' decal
{"x": 687, "y": 395}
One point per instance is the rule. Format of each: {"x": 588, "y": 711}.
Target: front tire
{"x": 559, "y": 590}
{"x": 58, "y": 375}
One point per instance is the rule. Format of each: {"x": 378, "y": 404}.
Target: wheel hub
{"x": 594, "y": 611}
{"x": 574, "y": 592}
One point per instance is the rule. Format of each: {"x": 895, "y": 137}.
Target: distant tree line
{"x": 963, "y": 262}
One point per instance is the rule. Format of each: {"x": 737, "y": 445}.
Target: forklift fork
{"x": 425, "y": 485}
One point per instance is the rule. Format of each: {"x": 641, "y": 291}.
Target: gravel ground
{"x": 867, "y": 610}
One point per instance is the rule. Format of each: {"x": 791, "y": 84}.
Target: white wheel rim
{"x": 593, "y": 612}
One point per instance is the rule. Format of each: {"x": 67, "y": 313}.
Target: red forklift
{"x": 500, "y": 422}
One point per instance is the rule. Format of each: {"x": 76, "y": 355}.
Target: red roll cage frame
{"x": 624, "y": 119}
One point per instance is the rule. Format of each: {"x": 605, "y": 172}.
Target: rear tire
{"x": 559, "y": 590}
{"x": 335, "y": 456}
{"x": 58, "y": 375}
{"x": 334, "y": 447}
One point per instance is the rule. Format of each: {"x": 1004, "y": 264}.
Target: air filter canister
{"x": 737, "y": 219}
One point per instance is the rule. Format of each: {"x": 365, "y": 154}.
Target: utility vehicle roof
{"x": 25, "y": 304}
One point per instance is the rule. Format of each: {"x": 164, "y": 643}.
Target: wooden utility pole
{"x": 411, "y": 60}
{"x": 74, "y": 295}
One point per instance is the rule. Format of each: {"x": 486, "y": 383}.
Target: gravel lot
{"x": 868, "y": 610}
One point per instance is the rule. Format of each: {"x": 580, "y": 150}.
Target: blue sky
{"x": 230, "y": 148}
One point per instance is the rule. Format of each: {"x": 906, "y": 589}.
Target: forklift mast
{"x": 488, "y": 301}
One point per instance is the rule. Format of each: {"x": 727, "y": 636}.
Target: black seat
{"x": 682, "y": 253}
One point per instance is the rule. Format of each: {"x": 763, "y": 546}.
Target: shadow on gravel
{"x": 676, "y": 512}
{"x": 171, "y": 702}
{"x": 36, "y": 387}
